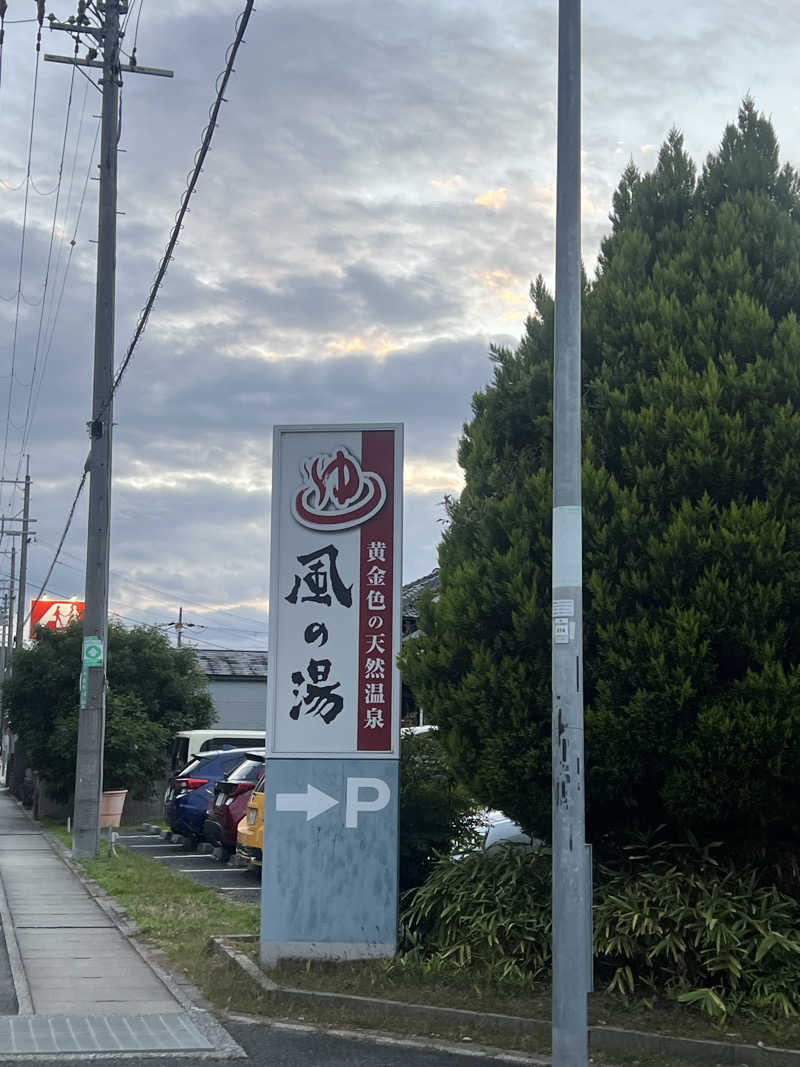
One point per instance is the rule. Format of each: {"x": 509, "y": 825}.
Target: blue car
{"x": 189, "y": 792}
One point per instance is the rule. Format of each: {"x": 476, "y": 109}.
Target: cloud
{"x": 496, "y": 199}
{"x": 448, "y": 185}
{"x": 333, "y": 266}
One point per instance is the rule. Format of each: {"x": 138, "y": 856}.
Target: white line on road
{"x": 210, "y": 870}
{"x": 164, "y": 844}
{"x": 201, "y": 858}
{"x": 240, "y": 888}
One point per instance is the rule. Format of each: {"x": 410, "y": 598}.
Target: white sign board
{"x": 335, "y": 586}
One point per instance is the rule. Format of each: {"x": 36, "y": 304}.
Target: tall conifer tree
{"x": 691, "y": 379}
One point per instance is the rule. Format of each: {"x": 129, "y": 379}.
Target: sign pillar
{"x": 329, "y": 877}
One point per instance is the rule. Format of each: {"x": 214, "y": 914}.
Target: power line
{"x": 51, "y": 326}
{"x": 208, "y": 608}
{"x": 208, "y": 133}
{"x": 221, "y": 84}
{"x": 37, "y": 347}
{"x": 168, "y": 594}
{"x": 22, "y": 247}
{"x": 64, "y": 534}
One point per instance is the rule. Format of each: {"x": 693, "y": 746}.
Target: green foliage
{"x": 671, "y": 921}
{"x": 435, "y": 813}
{"x": 691, "y": 432}
{"x": 153, "y": 690}
{"x": 488, "y": 912}
{"x": 677, "y": 921}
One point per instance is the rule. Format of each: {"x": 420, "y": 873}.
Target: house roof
{"x": 412, "y": 591}
{"x": 232, "y": 663}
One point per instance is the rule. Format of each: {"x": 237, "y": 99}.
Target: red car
{"x": 228, "y": 805}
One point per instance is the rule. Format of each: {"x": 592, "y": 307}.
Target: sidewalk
{"x": 80, "y": 984}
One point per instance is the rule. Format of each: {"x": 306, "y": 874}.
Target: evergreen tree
{"x": 153, "y": 691}
{"x": 691, "y": 435}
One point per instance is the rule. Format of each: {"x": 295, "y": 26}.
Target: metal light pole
{"x": 571, "y": 867}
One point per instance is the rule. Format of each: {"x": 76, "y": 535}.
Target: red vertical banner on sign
{"x": 376, "y": 650}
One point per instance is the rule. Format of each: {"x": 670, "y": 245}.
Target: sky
{"x": 379, "y": 195}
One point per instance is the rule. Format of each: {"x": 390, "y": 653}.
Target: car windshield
{"x": 247, "y": 771}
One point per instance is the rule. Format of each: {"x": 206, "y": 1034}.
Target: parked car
{"x": 250, "y": 832}
{"x": 190, "y": 790}
{"x": 229, "y": 803}
{"x": 189, "y": 744}
{"x": 500, "y": 830}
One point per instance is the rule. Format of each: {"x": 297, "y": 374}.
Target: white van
{"x": 187, "y": 744}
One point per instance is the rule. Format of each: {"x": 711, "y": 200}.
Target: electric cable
{"x": 54, "y": 322}
{"x": 166, "y": 594}
{"x": 63, "y": 538}
{"x": 221, "y": 84}
{"x": 22, "y": 245}
{"x": 37, "y": 347}
{"x": 208, "y": 133}
{"x": 3, "y": 9}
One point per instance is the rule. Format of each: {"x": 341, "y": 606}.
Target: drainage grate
{"x": 167, "y": 1032}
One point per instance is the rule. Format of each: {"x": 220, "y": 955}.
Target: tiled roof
{"x": 227, "y": 663}
{"x": 412, "y": 591}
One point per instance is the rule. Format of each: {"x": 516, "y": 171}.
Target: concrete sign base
{"x": 329, "y": 877}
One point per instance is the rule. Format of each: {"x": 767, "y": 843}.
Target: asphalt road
{"x": 239, "y": 883}
{"x": 286, "y": 1046}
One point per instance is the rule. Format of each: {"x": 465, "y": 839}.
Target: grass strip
{"x": 177, "y": 916}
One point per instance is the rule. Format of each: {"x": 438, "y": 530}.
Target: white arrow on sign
{"x": 313, "y": 802}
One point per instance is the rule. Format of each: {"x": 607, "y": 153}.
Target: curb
{"x": 18, "y": 976}
{"x": 602, "y": 1039}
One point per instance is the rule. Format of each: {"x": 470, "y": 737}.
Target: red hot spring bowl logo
{"x": 336, "y": 493}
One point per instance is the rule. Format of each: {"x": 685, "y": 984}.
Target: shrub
{"x": 673, "y": 919}
{"x": 670, "y": 920}
{"x": 435, "y": 811}
{"x": 487, "y": 910}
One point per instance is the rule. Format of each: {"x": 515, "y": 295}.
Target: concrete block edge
{"x": 18, "y": 976}
{"x": 602, "y": 1039}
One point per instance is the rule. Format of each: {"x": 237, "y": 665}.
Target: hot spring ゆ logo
{"x": 336, "y": 493}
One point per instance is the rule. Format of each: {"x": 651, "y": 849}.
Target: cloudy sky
{"x": 378, "y": 197}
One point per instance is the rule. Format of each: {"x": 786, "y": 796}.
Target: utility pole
{"x": 10, "y": 620}
{"x": 180, "y": 625}
{"x": 572, "y": 941}
{"x": 91, "y": 725}
{"x": 15, "y": 638}
{"x": 23, "y": 555}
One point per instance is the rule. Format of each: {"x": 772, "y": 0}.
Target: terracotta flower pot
{"x": 111, "y": 805}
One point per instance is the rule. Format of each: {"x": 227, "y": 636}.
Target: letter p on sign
{"x": 355, "y": 803}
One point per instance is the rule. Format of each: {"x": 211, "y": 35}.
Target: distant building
{"x": 238, "y": 678}
{"x": 412, "y": 593}
{"x": 237, "y": 682}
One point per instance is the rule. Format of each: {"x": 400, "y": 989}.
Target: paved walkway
{"x": 80, "y": 984}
